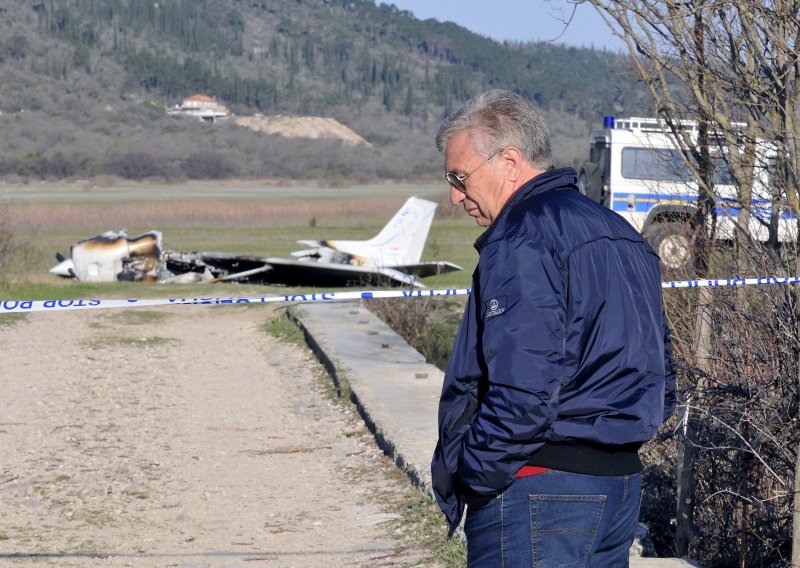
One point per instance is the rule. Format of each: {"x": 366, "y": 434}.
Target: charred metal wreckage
{"x": 391, "y": 257}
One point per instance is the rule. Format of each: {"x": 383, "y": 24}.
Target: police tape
{"x": 26, "y": 306}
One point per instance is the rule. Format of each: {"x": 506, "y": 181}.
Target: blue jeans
{"x": 556, "y": 519}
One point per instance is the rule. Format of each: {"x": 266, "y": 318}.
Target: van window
{"x": 661, "y": 164}
{"x": 665, "y": 164}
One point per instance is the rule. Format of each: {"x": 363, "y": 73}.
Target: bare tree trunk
{"x": 687, "y": 443}
{"x": 796, "y": 493}
{"x": 685, "y": 480}
{"x": 796, "y": 515}
{"x": 744, "y": 508}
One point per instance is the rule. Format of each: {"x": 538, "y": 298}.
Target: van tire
{"x": 674, "y": 244}
{"x": 583, "y": 179}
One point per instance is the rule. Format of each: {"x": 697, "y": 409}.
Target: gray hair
{"x": 498, "y": 119}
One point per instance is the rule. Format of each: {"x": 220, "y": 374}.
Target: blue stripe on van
{"x": 725, "y": 206}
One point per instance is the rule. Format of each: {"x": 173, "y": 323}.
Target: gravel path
{"x": 183, "y": 436}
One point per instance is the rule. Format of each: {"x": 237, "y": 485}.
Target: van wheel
{"x": 583, "y": 180}
{"x": 673, "y": 243}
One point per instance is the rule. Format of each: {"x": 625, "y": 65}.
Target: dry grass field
{"x": 256, "y": 219}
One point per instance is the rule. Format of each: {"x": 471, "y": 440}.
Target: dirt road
{"x": 182, "y": 437}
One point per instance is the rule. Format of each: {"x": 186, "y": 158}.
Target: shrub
{"x": 134, "y": 164}
{"x": 210, "y": 165}
{"x": 429, "y": 325}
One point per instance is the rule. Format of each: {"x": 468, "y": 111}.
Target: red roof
{"x": 201, "y": 98}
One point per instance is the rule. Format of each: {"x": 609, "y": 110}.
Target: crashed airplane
{"x": 391, "y": 257}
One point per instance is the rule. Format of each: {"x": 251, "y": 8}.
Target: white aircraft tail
{"x": 400, "y": 242}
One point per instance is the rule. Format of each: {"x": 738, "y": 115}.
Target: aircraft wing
{"x": 423, "y": 269}
{"x": 217, "y": 266}
{"x": 211, "y": 267}
{"x": 302, "y": 272}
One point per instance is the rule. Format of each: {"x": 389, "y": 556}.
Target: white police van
{"x": 636, "y": 169}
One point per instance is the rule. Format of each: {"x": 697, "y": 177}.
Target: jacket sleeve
{"x": 523, "y": 309}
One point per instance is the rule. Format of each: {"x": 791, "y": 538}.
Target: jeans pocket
{"x": 564, "y": 528}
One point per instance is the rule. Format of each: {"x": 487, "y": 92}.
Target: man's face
{"x": 481, "y": 197}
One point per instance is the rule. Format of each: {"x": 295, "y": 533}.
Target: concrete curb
{"x": 395, "y": 390}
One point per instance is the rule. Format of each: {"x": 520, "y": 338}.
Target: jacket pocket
{"x": 453, "y": 431}
{"x": 445, "y": 457}
{"x": 468, "y": 414}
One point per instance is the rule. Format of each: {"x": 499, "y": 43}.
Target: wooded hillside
{"x": 87, "y": 81}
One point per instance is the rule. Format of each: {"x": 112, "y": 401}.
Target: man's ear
{"x": 513, "y": 162}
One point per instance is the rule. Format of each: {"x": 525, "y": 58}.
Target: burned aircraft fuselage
{"x": 113, "y": 256}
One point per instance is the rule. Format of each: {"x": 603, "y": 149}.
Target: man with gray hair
{"x": 562, "y": 367}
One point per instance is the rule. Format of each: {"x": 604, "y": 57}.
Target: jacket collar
{"x": 552, "y": 180}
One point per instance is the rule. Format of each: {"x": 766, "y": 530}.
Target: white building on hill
{"x": 203, "y": 107}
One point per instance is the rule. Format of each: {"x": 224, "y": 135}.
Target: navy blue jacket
{"x": 563, "y": 358}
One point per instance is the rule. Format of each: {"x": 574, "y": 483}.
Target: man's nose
{"x": 456, "y": 196}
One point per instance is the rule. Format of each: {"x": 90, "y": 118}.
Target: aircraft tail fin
{"x": 400, "y": 242}
{"x": 403, "y": 238}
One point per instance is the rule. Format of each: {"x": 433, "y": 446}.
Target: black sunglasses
{"x": 458, "y": 182}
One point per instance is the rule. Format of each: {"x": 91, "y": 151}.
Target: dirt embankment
{"x": 315, "y": 127}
